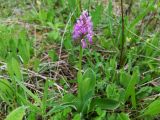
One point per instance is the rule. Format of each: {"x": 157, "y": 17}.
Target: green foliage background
{"x": 39, "y": 78}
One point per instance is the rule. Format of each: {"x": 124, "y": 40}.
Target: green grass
{"x": 42, "y": 76}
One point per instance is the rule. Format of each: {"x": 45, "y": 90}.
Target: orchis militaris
{"x": 83, "y": 29}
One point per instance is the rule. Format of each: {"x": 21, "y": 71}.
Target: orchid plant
{"x": 83, "y": 31}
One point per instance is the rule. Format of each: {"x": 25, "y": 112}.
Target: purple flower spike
{"x": 83, "y": 29}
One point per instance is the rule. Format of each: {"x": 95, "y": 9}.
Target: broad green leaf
{"x": 131, "y": 87}
{"x": 87, "y": 84}
{"x": 17, "y": 114}
{"x": 58, "y": 108}
{"x": 24, "y": 50}
{"x": 13, "y": 68}
{"x": 104, "y": 104}
{"x": 124, "y": 78}
{"x": 153, "y": 109}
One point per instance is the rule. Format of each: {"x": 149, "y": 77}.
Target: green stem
{"x": 79, "y": 74}
{"x": 80, "y": 58}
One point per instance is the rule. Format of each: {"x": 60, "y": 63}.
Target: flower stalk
{"x": 80, "y": 58}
